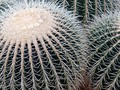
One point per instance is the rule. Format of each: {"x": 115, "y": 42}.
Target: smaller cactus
{"x": 41, "y": 47}
{"x": 104, "y": 59}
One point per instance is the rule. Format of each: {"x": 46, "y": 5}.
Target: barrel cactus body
{"x": 105, "y": 51}
{"x": 40, "y": 47}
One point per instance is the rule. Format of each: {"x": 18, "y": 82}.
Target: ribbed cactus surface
{"x": 87, "y": 8}
{"x": 105, "y": 51}
{"x": 40, "y": 47}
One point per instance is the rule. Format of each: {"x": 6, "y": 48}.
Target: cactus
{"x": 87, "y": 8}
{"x": 40, "y": 47}
{"x": 104, "y": 59}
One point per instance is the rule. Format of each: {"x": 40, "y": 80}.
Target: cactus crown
{"x": 40, "y": 47}
{"x": 105, "y": 51}
{"x": 27, "y": 23}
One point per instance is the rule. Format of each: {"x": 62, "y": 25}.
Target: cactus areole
{"x": 40, "y": 47}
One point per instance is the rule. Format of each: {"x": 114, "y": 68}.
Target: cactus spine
{"x": 105, "y": 51}
{"x": 40, "y": 47}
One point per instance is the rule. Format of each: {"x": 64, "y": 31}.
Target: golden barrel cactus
{"x": 41, "y": 47}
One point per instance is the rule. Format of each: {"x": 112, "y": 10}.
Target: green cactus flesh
{"x": 40, "y": 47}
{"x": 105, "y": 51}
